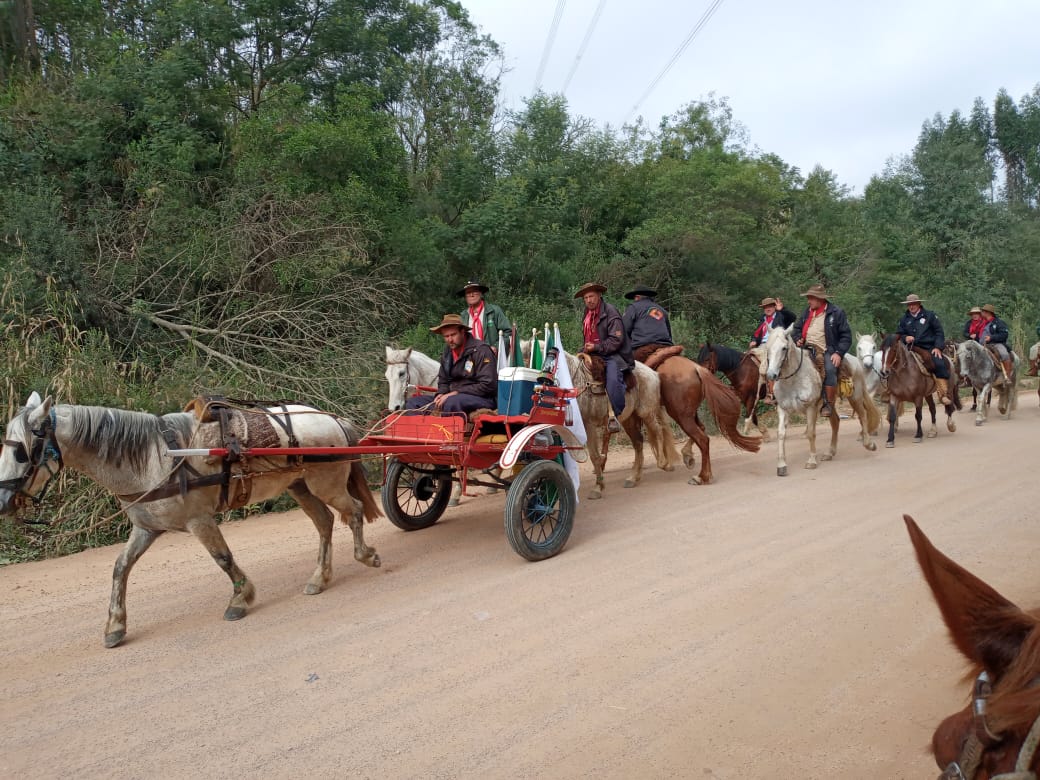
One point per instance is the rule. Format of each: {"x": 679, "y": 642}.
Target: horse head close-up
{"x": 996, "y": 736}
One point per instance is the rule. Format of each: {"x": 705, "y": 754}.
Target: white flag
{"x": 503, "y": 358}
{"x": 563, "y": 379}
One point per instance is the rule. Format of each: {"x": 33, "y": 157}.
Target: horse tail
{"x": 725, "y": 407}
{"x": 357, "y": 485}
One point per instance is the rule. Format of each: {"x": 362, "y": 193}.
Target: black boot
{"x": 830, "y": 395}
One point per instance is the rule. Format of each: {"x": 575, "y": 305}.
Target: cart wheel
{"x": 415, "y": 497}
{"x": 540, "y": 510}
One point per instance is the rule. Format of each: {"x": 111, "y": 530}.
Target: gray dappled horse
{"x": 126, "y": 453}
{"x": 797, "y": 388}
{"x": 981, "y": 370}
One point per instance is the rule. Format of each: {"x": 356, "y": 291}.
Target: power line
{"x": 553, "y": 28}
{"x": 678, "y": 53}
{"x": 584, "y": 44}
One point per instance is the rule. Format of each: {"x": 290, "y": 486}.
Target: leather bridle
{"x": 42, "y": 453}
{"x": 981, "y": 738}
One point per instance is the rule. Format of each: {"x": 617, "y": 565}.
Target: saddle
{"x": 923, "y": 359}
{"x": 845, "y": 384}
{"x": 237, "y": 425}
{"x": 598, "y": 369}
{"x": 653, "y": 355}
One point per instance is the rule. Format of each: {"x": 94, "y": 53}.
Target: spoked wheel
{"x": 540, "y": 510}
{"x": 415, "y": 497}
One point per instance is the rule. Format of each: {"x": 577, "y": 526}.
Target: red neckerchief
{"x": 976, "y": 326}
{"x": 476, "y": 320}
{"x": 589, "y": 325}
{"x": 456, "y": 354}
{"x": 764, "y": 326}
{"x": 813, "y": 314}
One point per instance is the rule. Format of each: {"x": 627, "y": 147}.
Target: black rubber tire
{"x": 539, "y": 513}
{"x": 415, "y": 497}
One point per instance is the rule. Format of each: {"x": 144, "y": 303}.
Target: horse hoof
{"x": 932, "y": 434}
{"x": 630, "y": 483}
{"x": 595, "y": 494}
{"x": 871, "y": 446}
{"x": 115, "y": 638}
{"x": 669, "y": 467}
{"x": 917, "y": 440}
{"x": 375, "y": 562}
{"x": 453, "y": 502}
{"x": 694, "y": 481}
{"x": 781, "y": 471}
{"x": 310, "y": 590}
{"x": 234, "y": 613}
{"x": 978, "y": 423}
{"x": 890, "y": 444}
{"x": 951, "y": 426}
{"x": 826, "y": 457}
{"x": 811, "y": 465}
{"x": 688, "y": 461}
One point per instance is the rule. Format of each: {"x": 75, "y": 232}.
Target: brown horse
{"x": 998, "y": 733}
{"x": 684, "y": 384}
{"x": 744, "y": 372}
{"x": 907, "y": 381}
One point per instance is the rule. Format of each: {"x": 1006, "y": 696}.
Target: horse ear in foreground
{"x": 126, "y": 453}
{"x": 997, "y": 735}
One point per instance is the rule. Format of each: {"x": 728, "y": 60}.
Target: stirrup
{"x": 613, "y": 426}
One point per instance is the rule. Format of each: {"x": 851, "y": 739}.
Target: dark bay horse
{"x": 126, "y": 453}
{"x": 684, "y": 384}
{"x": 743, "y": 370}
{"x": 997, "y": 734}
{"x": 907, "y": 381}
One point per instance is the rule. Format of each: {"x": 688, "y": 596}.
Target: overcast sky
{"x": 841, "y": 83}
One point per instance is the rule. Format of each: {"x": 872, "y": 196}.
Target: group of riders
{"x": 468, "y": 375}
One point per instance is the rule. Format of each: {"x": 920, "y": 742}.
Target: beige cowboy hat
{"x": 816, "y": 291}
{"x": 590, "y": 287}
{"x": 450, "y": 321}
{"x": 990, "y": 308}
{"x": 767, "y": 302}
{"x": 911, "y": 298}
{"x": 974, "y": 310}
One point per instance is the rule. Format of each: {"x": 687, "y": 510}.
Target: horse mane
{"x": 888, "y": 340}
{"x": 729, "y": 358}
{"x": 120, "y": 437}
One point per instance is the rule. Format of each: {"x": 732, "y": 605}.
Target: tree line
{"x": 254, "y": 196}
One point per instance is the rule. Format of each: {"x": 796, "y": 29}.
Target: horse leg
{"x": 919, "y": 436}
{"x": 933, "y": 432}
{"x": 598, "y": 440}
{"x": 859, "y": 409}
{"x": 699, "y": 435}
{"x": 456, "y": 493}
{"x": 781, "y": 441}
{"x": 835, "y": 422}
{"x": 662, "y": 440}
{"x": 983, "y": 405}
{"x": 810, "y": 432}
{"x": 140, "y": 540}
{"x": 208, "y": 533}
{"x": 893, "y": 416}
{"x": 634, "y": 428}
{"x": 322, "y": 519}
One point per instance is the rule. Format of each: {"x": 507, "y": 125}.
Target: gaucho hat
{"x": 450, "y": 321}
{"x": 816, "y": 291}
{"x": 974, "y": 310}
{"x": 590, "y": 287}
{"x": 767, "y": 302}
{"x": 911, "y": 298}
{"x": 641, "y": 289}
{"x": 990, "y": 308}
{"x": 472, "y": 284}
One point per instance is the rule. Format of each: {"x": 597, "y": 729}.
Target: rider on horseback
{"x": 646, "y": 323}
{"x": 995, "y": 335}
{"x": 774, "y": 315}
{"x": 825, "y": 328}
{"x": 605, "y": 336}
{"x": 921, "y": 330}
{"x": 974, "y": 326}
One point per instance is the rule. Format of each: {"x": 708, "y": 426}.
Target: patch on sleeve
{"x": 657, "y": 314}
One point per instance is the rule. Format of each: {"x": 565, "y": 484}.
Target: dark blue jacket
{"x": 475, "y": 372}
{"x": 997, "y": 330}
{"x": 646, "y": 322}
{"x": 925, "y": 328}
{"x": 613, "y": 342}
{"x": 835, "y": 329}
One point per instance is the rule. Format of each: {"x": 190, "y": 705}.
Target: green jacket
{"x": 494, "y": 320}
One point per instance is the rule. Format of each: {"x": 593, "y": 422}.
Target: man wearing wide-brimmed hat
{"x": 646, "y": 322}
{"x": 468, "y": 377}
{"x": 604, "y": 335}
{"x": 774, "y": 315}
{"x": 973, "y": 327}
{"x": 825, "y": 327}
{"x": 995, "y": 335}
{"x": 485, "y": 320}
{"x": 922, "y": 331}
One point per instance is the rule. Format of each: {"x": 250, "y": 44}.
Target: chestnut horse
{"x": 684, "y": 384}
{"x": 744, "y": 372}
{"x": 906, "y": 381}
{"x": 996, "y": 736}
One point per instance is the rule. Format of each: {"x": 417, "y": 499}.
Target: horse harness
{"x": 43, "y": 453}
{"x": 980, "y": 739}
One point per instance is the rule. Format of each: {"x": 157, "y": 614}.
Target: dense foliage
{"x": 254, "y": 196}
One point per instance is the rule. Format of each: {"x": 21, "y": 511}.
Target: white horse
{"x": 642, "y": 408}
{"x": 126, "y": 453}
{"x": 982, "y": 371}
{"x": 407, "y": 369}
{"x": 797, "y": 386}
{"x": 870, "y": 356}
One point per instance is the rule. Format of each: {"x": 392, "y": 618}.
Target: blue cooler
{"x": 515, "y": 388}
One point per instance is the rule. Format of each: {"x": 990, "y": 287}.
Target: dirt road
{"x": 757, "y": 627}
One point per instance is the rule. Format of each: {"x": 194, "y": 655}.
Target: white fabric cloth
{"x": 563, "y": 379}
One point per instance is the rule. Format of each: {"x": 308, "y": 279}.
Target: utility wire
{"x": 584, "y": 44}
{"x": 678, "y": 53}
{"x": 553, "y": 29}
